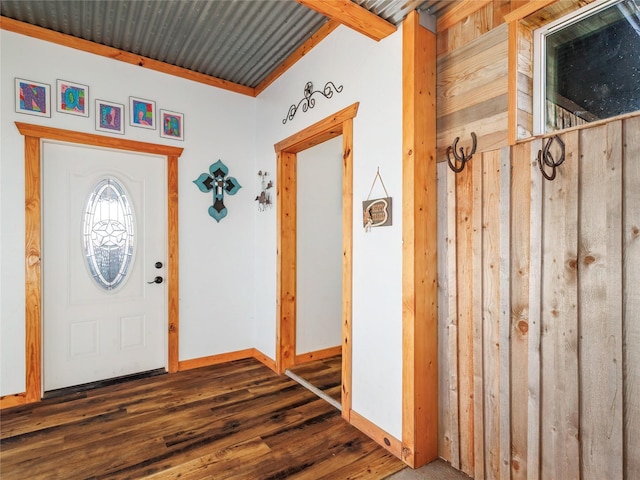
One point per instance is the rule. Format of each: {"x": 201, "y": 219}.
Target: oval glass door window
{"x": 108, "y": 233}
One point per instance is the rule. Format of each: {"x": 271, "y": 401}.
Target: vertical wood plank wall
{"x": 540, "y": 310}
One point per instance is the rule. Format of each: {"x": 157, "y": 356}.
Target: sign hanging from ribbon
{"x": 376, "y": 212}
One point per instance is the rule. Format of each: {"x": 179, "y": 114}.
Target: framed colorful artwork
{"x": 33, "y": 98}
{"x": 142, "y": 113}
{"x": 72, "y": 98}
{"x": 109, "y": 117}
{"x": 171, "y": 125}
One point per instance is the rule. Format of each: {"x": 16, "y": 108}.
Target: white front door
{"x": 101, "y": 317}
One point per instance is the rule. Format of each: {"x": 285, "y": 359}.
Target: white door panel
{"x": 90, "y": 333}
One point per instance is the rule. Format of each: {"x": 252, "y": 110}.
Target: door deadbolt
{"x": 158, "y": 264}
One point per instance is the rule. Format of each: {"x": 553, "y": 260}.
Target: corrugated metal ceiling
{"x": 240, "y": 41}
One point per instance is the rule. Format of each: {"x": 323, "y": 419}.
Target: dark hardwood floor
{"x": 324, "y": 374}
{"x": 237, "y": 420}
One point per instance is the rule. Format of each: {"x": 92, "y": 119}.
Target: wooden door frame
{"x": 340, "y": 123}
{"x": 33, "y": 135}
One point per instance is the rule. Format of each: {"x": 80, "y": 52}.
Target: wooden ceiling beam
{"x": 353, "y": 16}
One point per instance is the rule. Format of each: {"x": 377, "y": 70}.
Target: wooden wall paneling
{"x": 445, "y": 285}
{"x": 631, "y": 298}
{"x": 560, "y": 452}
{"x": 520, "y": 211}
{"x": 452, "y": 307}
{"x": 533, "y": 360}
{"x": 524, "y": 81}
{"x": 472, "y": 93}
{"x": 500, "y": 9}
{"x": 464, "y": 287}
{"x": 600, "y": 300}
{"x": 490, "y": 294}
{"x": 477, "y": 320}
{"x": 477, "y": 21}
{"x": 466, "y": 76}
{"x": 460, "y": 13}
{"x": 505, "y": 315}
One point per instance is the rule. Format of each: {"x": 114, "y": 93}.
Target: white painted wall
{"x": 228, "y": 270}
{"x": 216, "y": 259}
{"x": 371, "y": 73}
{"x": 319, "y": 247}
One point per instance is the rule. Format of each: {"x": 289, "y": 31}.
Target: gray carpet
{"x": 437, "y": 470}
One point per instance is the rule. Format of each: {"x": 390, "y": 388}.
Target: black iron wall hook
{"x": 546, "y": 157}
{"x": 461, "y": 157}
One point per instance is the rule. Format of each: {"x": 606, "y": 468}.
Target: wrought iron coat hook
{"x": 546, "y": 157}
{"x": 461, "y": 157}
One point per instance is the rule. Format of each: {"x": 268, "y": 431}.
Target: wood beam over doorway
{"x": 419, "y": 247}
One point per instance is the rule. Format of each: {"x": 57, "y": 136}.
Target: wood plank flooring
{"x": 324, "y": 374}
{"x": 237, "y": 420}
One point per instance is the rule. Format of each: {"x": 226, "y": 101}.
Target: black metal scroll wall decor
{"x": 461, "y": 157}
{"x": 308, "y": 101}
{"x": 545, "y": 157}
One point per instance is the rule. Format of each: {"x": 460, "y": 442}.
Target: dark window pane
{"x": 593, "y": 67}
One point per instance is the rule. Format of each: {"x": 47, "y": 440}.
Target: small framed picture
{"x": 109, "y": 117}
{"x": 72, "y": 98}
{"x": 142, "y": 113}
{"x": 33, "y": 98}
{"x": 171, "y": 125}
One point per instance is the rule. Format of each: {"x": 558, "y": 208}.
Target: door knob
{"x": 158, "y": 279}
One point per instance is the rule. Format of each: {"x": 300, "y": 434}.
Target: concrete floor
{"x": 438, "y": 470}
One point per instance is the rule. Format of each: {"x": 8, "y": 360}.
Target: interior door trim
{"x": 340, "y": 123}
{"x": 33, "y": 135}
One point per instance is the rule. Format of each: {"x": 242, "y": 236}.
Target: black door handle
{"x": 158, "y": 279}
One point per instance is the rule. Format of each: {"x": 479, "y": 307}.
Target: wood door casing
{"x": 33, "y": 240}
{"x": 340, "y": 123}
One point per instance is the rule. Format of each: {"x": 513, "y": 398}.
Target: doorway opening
{"x": 319, "y": 270}
{"x": 339, "y": 124}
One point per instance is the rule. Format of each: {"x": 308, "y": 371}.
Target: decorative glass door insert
{"x": 108, "y": 233}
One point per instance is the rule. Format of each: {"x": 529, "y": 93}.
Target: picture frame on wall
{"x": 142, "y": 113}
{"x": 109, "y": 117}
{"x": 171, "y": 125}
{"x": 33, "y": 98}
{"x": 72, "y": 98}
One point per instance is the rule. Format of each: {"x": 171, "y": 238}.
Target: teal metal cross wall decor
{"x": 218, "y": 182}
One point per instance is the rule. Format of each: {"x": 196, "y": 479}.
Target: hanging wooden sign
{"x": 376, "y": 213}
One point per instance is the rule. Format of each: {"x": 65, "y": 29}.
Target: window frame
{"x": 540, "y": 54}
